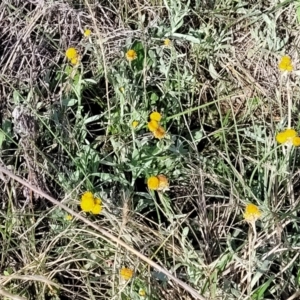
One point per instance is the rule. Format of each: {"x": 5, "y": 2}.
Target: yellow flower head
{"x": 296, "y": 141}
{"x": 155, "y": 116}
{"x": 96, "y": 209}
{"x": 153, "y": 125}
{"x": 73, "y": 56}
{"x": 91, "y": 204}
{"x": 159, "y": 133}
{"x": 167, "y": 43}
{"x": 134, "y": 124}
{"x": 285, "y": 64}
{"x": 252, "y": 213}
{"x": 153, "y": 183}
{"x": 126, "y": 273}
{"x": 131, "y": 55}
{"x": 142, "y": 292}
{"x": 288, "y": 137}
{"x": 87, "y": 202}
{"x": 163, "y": 184}
{"x": 87, "y": 32}
{"x": 71, "y": 53}
{"x": 98, "y": 201}
{"x": 74, "y": 61}
{"x": 68, "y": 217}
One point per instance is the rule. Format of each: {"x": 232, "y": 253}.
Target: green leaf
{"x": 213, "y": 73}
{"x": 298, "y": 11}
{"x": 138, "y": 64}
{"x": 69, "y": 102}
{"x": 2, "y": 138}
{"x": 154, "y": 98}
{"x": 16, "y": 97}
{"x": 259, "y": 293}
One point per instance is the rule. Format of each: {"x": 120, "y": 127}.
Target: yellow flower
{"x": 285, "y": 64}
{"x": 131, "y": 55}
{"x": 87, "y": 32}
{"x": 163, "y": 184}
{"x": 71, "y": 53}
{"x": 126, "y": 273}
{"x": 98, "y": 201}
{"x": 296, "y": 141}
{"x": 73, "y": 56}
{"x": 87, "y": 202}
{"x": 281, "y": 137}
{"x": 122, "y": 90}
{"x": 167, "y": 43}
{"x": 159, "y": 133}
{"x": 74, "y": 61}
{"x": 68, "y": 217}
{"x": 252, "y": 213}
{"x": 153, "y": 183}
{"x": 142, "y": 293}
{"x": 153, "y": 125}
{"x": 288, "y": 137}
{"x": 91, "y": 204}
{"x": 96, "y": 209}
{"x": 134, "y": 124}
{"x": 155, "y": 116}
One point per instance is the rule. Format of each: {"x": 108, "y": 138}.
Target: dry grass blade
{"x": 10, "y": 296}
{"x": 112, "y": 239}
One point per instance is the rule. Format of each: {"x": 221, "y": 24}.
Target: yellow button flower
{"x": 153, "y": 125}
{"x": 87, "y": 32}
{"x": 98, "y": 201}
{"x": 131, "y": 55}
{"x": 252, "y": 213}
{"x": 87, "y": 202}
{"x": 167, "y": 43}
{"x": 285, "y": 64}
{"x": 74, "y": 61}
{"x": 288, "y": 137}
{"x": 142, "y": 292}
{"x": 163, "y": 184}
{"x": 155, "y": 116}
{"x": 73, "y": 56}
{"x": 96, "y": 209}
{"x": 71, "y": 53}
{"x": 134, "y": 124}
{"x": 281, "y": 137}
{"x": 159, "y": 133}
{"x": 153, "y": 183}
{"x": 126, "y": 273}
{"x": 68, "y": 217}
{"x": 296, "y": 141}
{"x": 91, "y": 204}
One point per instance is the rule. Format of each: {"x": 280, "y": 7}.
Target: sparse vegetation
{"x": 168, "y": 133}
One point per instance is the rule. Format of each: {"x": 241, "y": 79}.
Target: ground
{"x": 149, "y": 150}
